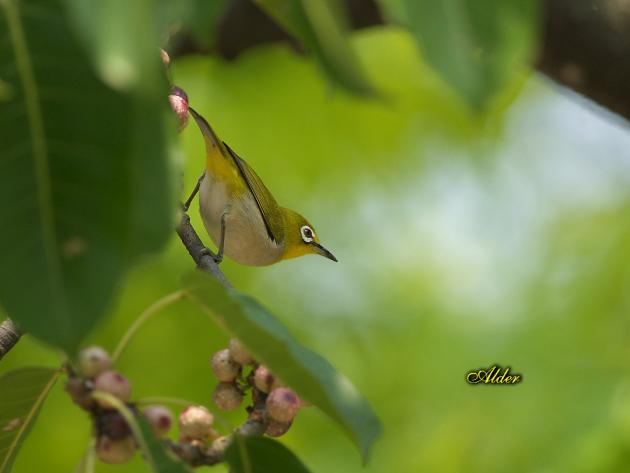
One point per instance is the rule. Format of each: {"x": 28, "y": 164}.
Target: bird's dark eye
{"x": 307, "y": 234}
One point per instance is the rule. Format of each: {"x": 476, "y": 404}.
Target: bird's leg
{"x": 193, "y": 193}
{"x": 219, "y": 256}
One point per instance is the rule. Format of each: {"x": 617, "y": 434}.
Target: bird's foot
{"x": 217, "y": 258}
{"x": 205, "y": 251}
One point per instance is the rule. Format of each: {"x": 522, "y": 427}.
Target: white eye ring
{"x": 307, "y": 234}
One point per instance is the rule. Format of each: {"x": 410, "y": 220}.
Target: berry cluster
{"x": 279, "y": 403}
{"x": 272, "y": 410}
{"x": 114, "y": 440}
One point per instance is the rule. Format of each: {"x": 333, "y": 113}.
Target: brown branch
{"x": 198, "y": 250}
{"x": 9, "y": 336}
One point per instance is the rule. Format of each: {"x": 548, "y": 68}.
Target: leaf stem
{"x": 152, "y": 310}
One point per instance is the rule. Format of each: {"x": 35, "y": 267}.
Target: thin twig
{"x": 143, "y": 317}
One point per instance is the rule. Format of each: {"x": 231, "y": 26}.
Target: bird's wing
{"x": 269, "y": 209}
{"x": 216, "y": 151}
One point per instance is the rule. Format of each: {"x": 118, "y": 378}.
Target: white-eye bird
{"x": 241, "y": 215}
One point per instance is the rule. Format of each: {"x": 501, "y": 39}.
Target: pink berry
{"x": 224, "y": 367}
{"x": 179, "y": 103}
{"x": 282, "y": 404}
{"x": 263, "y": 379}
{"x": 195, "y": 422}
{"x": 115, "y": 451}
{"x": 160, "y": 418}
{"x": 114, "y": 383}
{"x": 239, "y": 352}
{"x": 227, "y": 397}
{"x": 93, "y": 360}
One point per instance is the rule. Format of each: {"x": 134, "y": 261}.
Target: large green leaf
{"x": 262, "y": 455}
{"x": 321, "y": 27}
{"x": 475, "y": 45}
{"x": 313, "y": 377}
{"x": 85, "y": 181}
{"x": 22, "y": 393}
{"x": 154, "y": 451}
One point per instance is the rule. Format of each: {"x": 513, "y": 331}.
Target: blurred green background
{"x": 463, "y": 241}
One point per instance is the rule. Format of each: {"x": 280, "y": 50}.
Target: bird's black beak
{"x": 324, "y": 252}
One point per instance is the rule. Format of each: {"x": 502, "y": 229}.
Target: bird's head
{"x": 300, "y": 237}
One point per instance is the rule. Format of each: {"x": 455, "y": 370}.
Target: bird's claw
{"x": 207, "y": 252}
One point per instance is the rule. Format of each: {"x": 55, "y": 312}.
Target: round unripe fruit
{"x": 115, "y": 451}
{"x": 282, "y": 404}
{"x": 239, "y": 352}
{"x": 227, "y": 396}
{"x": 224, "y": 367}
{"x": 114, "y": 383}
{"x": 179, "y": 103}
{"x": 276, "y": 429}
{"x": 93, "y": 361}
{"x": 263, "y": 379}
{"x": 160, "y": 418}
{"x": 195, "y": 422}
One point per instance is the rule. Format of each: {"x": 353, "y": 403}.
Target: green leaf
{"x": 262, "y": 455}
{"x": 320, "y": 25}
{"x": 313, "y": 377}
{"x": 85, "y": 179}
{"x": 22, "y": 393}
{"x": 154, "y": 451}
{"x": 475, "y": 45}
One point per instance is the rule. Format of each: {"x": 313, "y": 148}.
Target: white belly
{"x": 246, "y": 239}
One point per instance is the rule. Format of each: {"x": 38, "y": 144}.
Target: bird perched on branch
{"x": 241, "y": 215}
